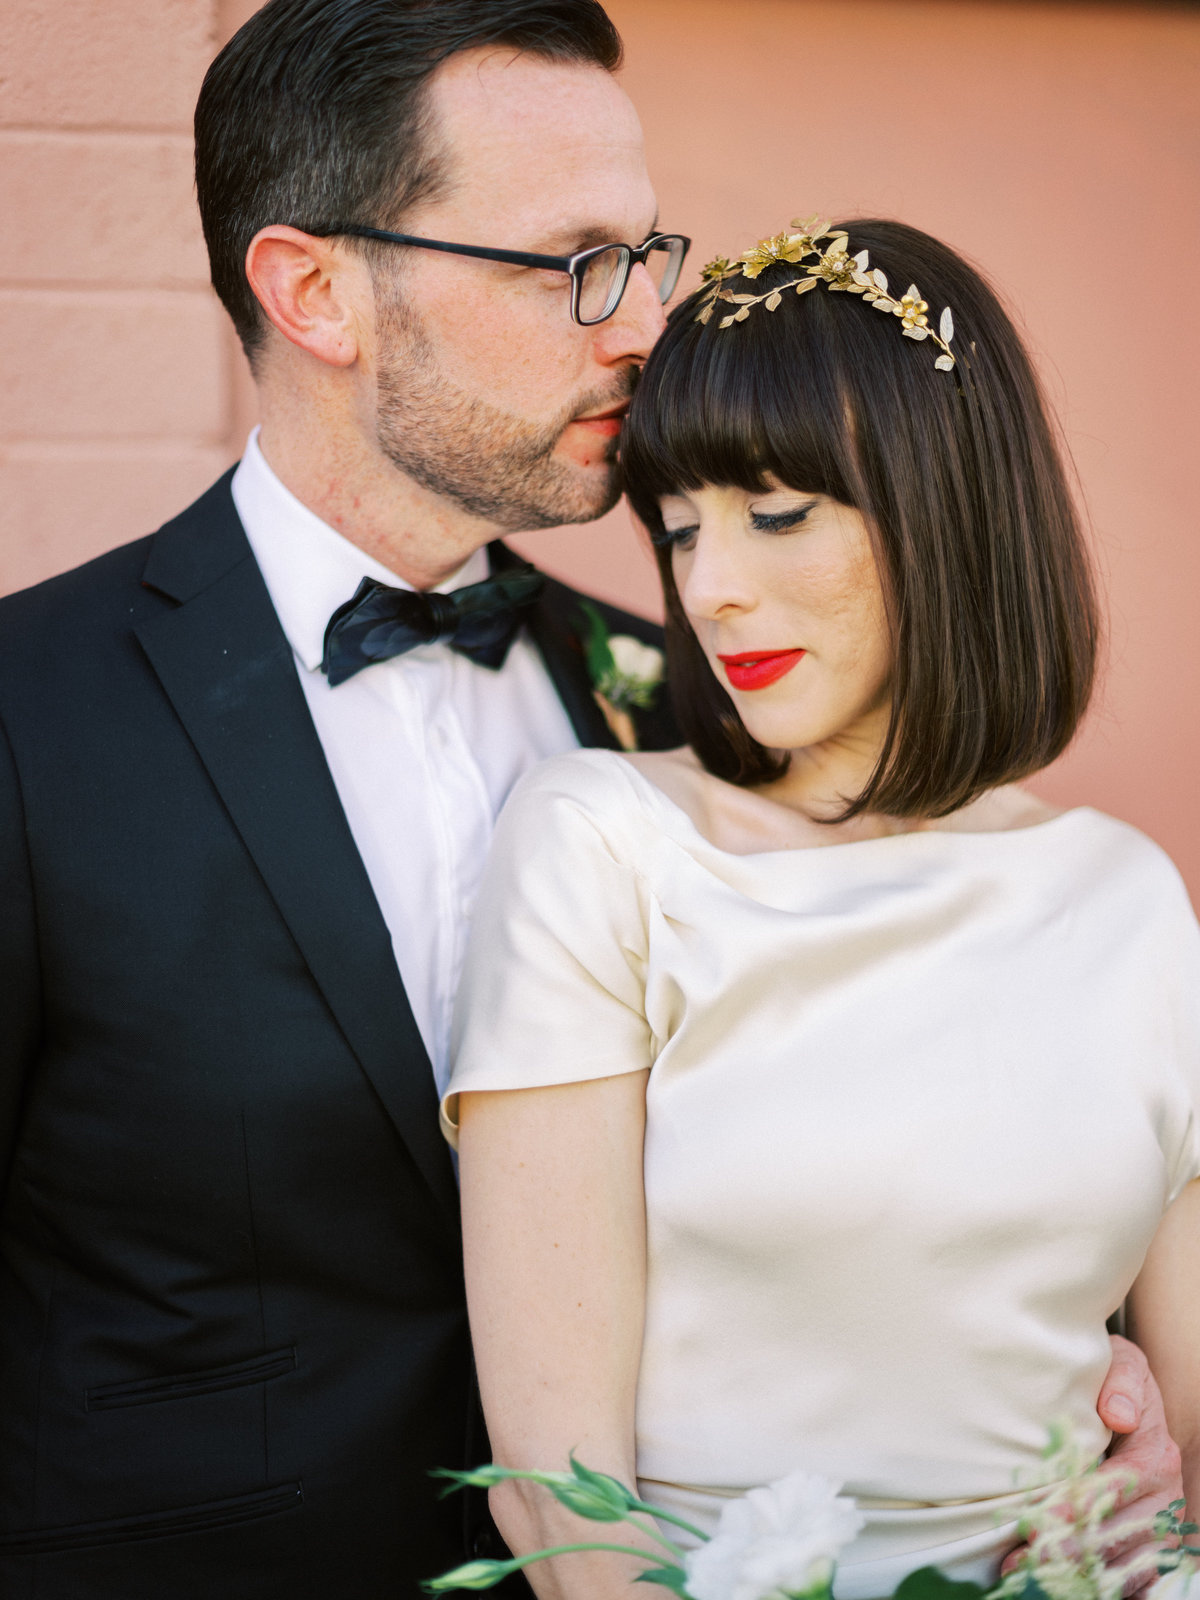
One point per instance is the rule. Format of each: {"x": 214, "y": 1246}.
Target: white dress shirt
{"x": 423, "y": 749}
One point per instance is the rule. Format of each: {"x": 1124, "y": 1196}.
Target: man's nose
{"x": 634, "y": 327}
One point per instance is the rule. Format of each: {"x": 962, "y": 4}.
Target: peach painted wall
{"x": 1057, "y": 145}
{"x": 116, "y": 384}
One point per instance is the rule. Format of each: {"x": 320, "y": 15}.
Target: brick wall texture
{"x": 116, "y": 385}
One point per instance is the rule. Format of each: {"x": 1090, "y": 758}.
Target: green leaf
{"x": 603, "y": 1483}
{"x": 927, "y": 1583}
{"x": 1032, "y": 1589}
{"x": 673, "y": 1578}
{"x": 595, "y": 645}
{"x": 594, "y": 1495}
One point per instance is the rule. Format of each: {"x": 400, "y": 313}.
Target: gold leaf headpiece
{"x": 836, "y": 268}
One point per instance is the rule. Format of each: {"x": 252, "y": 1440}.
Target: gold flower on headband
{"x": 790, "y": 247}
{"x": 718, "y": 267}
{"x": 836, "y": 268}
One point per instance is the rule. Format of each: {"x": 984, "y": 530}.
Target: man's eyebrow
{"x": 568, "y": 241}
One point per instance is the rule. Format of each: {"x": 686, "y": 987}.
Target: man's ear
{"x": 306, "y": 287}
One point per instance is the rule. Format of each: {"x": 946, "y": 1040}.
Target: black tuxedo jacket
{"x": 232, "y": 1331}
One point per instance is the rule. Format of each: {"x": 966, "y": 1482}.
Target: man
{"x": 242, "y": 818}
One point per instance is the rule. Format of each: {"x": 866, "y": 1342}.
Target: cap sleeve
{"x": 553, "y": 986}
{"x": 1180, "y": 968}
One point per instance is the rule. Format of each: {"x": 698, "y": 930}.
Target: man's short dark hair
{"x": 315, "y": 112}
{"x": 960, "y": 479}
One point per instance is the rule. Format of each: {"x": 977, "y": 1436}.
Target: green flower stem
{"x": 654, "y": 1533}
{"x": 668, "y": 1516}
{"x": 567, "y": 1549}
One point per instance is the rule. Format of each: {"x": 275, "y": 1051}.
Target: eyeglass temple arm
{"x": 520, "y": 258}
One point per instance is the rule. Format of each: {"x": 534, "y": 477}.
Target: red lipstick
{"x": 757, "y": 669}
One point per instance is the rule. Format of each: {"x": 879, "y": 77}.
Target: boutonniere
{"x": 625, "y": 673}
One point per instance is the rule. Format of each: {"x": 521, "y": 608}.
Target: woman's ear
{"x": 308, "y": 289}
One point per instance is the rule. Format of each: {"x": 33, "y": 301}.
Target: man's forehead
{"x": 518, "y": 88}
{"x": 527, "y": 135}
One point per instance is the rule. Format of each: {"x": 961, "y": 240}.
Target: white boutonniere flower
{"x": 626, "y": 675}
{"x": 781, "y": 1540}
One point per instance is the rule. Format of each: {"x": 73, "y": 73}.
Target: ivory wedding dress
{"x": 915, "y": 1108}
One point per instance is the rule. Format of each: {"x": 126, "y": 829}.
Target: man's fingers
{"x": 1138, "y": 1572}
{"x": 1127, "y": 1388}
{"x": 1145, "y": 1466}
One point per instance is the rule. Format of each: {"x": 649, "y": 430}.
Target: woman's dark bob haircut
{"x": 990, "y": 600}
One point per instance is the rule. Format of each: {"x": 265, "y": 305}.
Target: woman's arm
{"x": 555, "y": 1246}
{"x": 1164, "y": 1319}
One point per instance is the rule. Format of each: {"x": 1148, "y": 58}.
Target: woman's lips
{"x": 757, "y": 669}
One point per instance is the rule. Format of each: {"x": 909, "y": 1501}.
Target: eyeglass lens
{"x": 605, "y": 275}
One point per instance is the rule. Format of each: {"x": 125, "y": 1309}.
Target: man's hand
{"x": 1143, "y": 1462}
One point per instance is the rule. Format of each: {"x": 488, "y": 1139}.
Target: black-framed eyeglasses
{"x": 598, "y": 276}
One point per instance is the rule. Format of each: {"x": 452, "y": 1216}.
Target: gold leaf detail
{"x": 841, "y": 271}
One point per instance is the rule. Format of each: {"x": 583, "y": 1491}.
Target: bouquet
{"x": 781, "y": 1542}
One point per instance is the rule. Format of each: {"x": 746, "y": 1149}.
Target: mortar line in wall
{"x": 36, "y": 447}
{"x": 174, "y": 130}
{"x": 45, "y": 286}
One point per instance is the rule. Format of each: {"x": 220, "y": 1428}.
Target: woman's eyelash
{"x": 670, "y": 536}
{"x": 780, "y": 521}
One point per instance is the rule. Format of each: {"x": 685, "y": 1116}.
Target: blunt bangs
{"x": 729, "y": 411}
{"x": 959, "y": 475}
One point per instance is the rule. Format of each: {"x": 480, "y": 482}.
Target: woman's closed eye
{"x": 781, "y": 521}
{"x": 676, "y": 538}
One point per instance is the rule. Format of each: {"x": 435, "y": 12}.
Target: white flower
{"x": 1182, "y": 1584}
{"x": 640, "y": 663}
{"x": 781, "y": 1540}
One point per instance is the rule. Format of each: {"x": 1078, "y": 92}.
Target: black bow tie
{"x": 480, "y": 622}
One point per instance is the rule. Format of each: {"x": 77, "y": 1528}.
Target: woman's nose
{"x": 714, "y": 581}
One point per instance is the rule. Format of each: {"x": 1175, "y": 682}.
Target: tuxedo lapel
{"x": 225, "y": 664}
{"x": 554, "y": 631}
{"x": 556, "y": 623}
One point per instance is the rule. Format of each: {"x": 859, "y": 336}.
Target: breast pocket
{"x": 141, "y": 1457}
{"x": 185, "y": 1385}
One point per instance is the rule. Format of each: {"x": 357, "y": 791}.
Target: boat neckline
{"x": 674, "y": 810}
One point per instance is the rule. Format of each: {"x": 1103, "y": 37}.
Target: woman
{"x": 821, "y": 1090}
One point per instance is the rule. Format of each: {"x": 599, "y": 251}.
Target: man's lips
{"x": 757, "y": 669}
{"x": 606, "y": 423}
